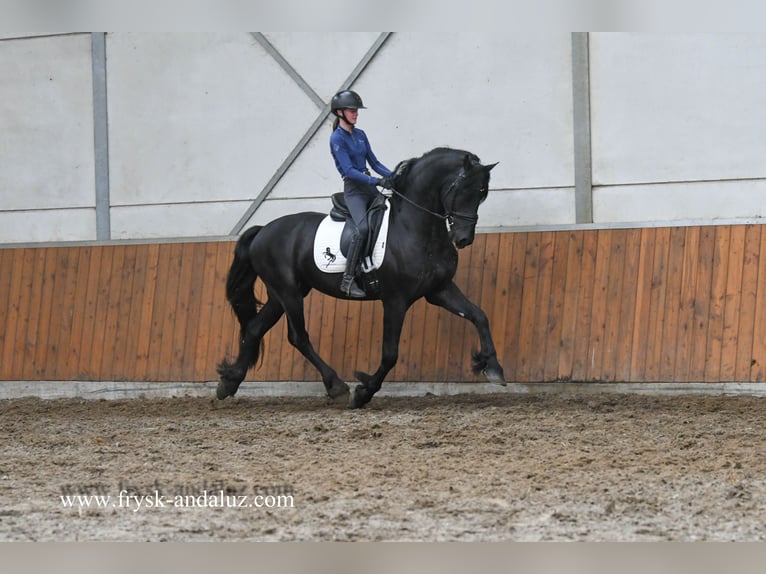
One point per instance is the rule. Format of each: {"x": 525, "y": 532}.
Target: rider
{"x": 351, "y": 151}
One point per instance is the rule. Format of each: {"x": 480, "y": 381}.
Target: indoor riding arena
{"x": 620, "y": 260}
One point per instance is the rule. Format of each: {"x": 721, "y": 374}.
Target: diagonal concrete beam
{"x": 324, "y": 111}
{"x": 285, "y": 65}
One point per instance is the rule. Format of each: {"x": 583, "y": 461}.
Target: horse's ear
{"x": 489, "y": 167}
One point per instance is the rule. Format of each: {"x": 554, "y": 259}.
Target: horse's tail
{"x": 241, "y": 280}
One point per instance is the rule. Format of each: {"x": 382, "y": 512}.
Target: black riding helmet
{"x": 346, "y": 99}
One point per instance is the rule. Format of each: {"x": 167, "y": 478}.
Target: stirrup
{"x": 350, "y": 288}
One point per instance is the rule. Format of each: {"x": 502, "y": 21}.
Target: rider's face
{"x": 350, "y": 115}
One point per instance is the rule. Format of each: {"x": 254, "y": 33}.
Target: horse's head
{"x": 462, "y": 197}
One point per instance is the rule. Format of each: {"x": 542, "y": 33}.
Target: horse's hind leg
{"x": 232, "y": 374}
{"x": 299, "y": 338}
{"x": 394, "y": 312}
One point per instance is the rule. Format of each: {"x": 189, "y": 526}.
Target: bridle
{"x": 450, "y": 214}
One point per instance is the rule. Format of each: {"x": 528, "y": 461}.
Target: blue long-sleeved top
{"x": 352, "y": 153}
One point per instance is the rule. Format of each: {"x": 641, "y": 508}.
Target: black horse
{"x": 433, "y": 212}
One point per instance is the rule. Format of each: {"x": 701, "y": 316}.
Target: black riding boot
{"x": 347, "y": 284}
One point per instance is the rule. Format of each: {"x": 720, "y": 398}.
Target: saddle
{"x": 375, "y": 212}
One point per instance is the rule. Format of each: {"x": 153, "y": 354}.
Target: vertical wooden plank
{"x": 641, "y": 317}
{"x": 585, "y": 307}
{"x": 107, "y": 312}
{"x": 617, "y": 301}
{"x": 553, "y": 345}
{"x": 628, "y": 307}
{"x": 657, "y": 305}
{"x": 732, "y": 301}
{"x": 542, "y": 326}
{"x": 60, "y": 343}
{"x": 184, "y": 324}
{"x": 376, "y": 340}
{"x": 674, "y": 280}
{"x": 81, "y": 362}
{"x": 340, "y": 337}
{"x": 572, "y": 291}
{"x": 512, "y": 350}
{"x": 749, "y": 298}
{"x": 428, "y": 355}
{"x": 132, "y": 301}
{"x": 398, "y": 373}
{"x": 684, "y": 335}
{"x": 717, "y": 304}
{"x": 275, "y": 340}
{"x": 116, "y": 339}
{"x": 7, "y": 273}
{"x": 47, "y": 324}
{"x": 145, "y": 333}
{"x": 528, "y": 302}
{"x": 707, "y": 246}
{"x": 595, "y": 353}
{"x": 29, "y": 302}
{"x": 71, "y": 365}
{"x": 417, "y": 314}
{"x": 758, "y": 361}
{"x": 204, "y": 344}
{"x": 487, "y": 301}
{"x": 104, "y": 282}
{"x": 159, "y": 331}
{"x": 173, "y": 318}
{"x": 17, "y": 291}
{"x": 195, "y": 259}
{"x": 502, "y": 295}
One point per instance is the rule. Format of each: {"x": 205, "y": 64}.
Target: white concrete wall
{"x": 46, "y": 140}
{"x": 678, "y": 126}
{"x": 198, "y": 125}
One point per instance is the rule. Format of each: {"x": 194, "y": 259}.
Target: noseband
{"x": 451, "y": 214}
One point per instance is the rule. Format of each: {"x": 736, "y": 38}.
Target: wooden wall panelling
{"x": 653, "y": 304}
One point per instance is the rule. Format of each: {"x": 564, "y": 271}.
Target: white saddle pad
{"x": 327, "y": 255}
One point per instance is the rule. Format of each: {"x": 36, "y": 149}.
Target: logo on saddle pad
{"x": 327, "y": 241}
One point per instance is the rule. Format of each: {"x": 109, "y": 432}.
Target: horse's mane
{"x": 403, "y": 168}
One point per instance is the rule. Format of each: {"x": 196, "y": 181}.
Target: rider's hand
{"x": 385, "y": 183}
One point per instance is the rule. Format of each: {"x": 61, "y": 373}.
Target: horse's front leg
{"x": 485, "y": 361}
{"x": 393, "y": 318}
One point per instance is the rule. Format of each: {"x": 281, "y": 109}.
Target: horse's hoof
{"x": 221, "y": 392}
{"x": 338, "y": 389}
{"x": 494, "y": 376}
{"x": 357, "y": 400}
{"x": 355, "y": 404}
